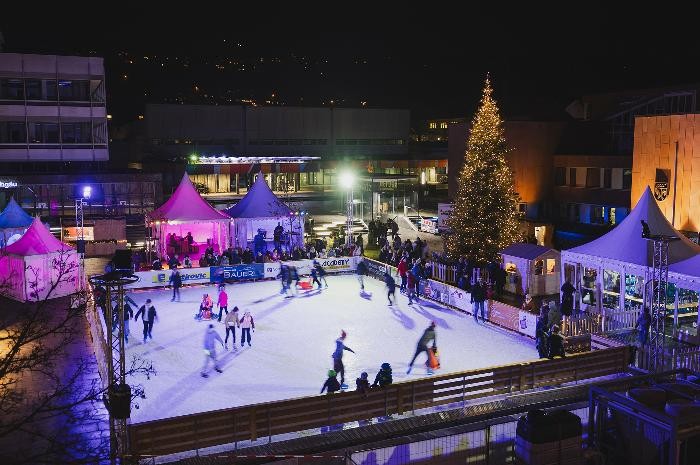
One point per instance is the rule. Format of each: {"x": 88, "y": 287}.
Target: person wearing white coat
{"x": 210, "y": 338}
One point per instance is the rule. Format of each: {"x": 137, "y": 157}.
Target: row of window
{"x": 13, "y": 132}
{"x": 288, "y": 142}
{"x": 47, "y": 89}
{"x": 606, "y": 178}
{"x": 434, "y": 125}
{"x": 223, "y": 142}
{"x": 591, "y": 214}
{"x": 370, "y": 142}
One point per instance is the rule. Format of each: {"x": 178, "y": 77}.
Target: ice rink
{"x": 293, "y": 341}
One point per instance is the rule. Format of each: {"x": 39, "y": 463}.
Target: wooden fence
{"x": 599, "y": 323}
{"x": 248, "y": 423}
{"x": 674, "y": 357}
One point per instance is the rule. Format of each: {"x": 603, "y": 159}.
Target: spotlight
{"x": 87, "y": 192}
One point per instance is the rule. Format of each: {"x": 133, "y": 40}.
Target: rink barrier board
{"x": 243, "y": 272}
{"x": 250, "y": 422}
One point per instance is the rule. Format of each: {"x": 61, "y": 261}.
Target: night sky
{"x": 432, "y": 63}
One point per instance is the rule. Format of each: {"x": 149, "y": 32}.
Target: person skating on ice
{"x": 340, "y": 347}
{"x": 361, "y": 272}
{"x": 210, "y": 338}
{"x": 403, "y": 269}
{"x": 149, "y": 315}
{"x": 428, "y": 335}
{"x": 314, "y": 275}
{"x": 231, "y": 322}
{"x": 247, "y": 323}
{"x": 411, "y": 287}
{"x": 176, "y": 281}
{"x": 284, "y": 277}
{"x": 390, "y": 286}
{"x": 222, "y": 302}
{"x": 331, "y": 383}
{"x": 321, "y": 273}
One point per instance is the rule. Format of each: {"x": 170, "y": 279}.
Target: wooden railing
{"x": 598, "y": 323}
{"x": 229, "y": 426}
{"x": 687, "y": 357}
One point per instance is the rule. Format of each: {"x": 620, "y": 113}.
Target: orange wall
{"x": 654, "y": 147}
{"x": 532, "y": 146}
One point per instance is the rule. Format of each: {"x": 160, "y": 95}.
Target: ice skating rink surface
{"x": 293, "y": 341}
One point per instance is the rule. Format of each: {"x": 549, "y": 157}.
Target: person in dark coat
{"x": 337, "y": 355}
{"x": 422, "y": 346}
{"x": 149, "y": 315}
{"x": 362, "y": 384}
{"x": 176, "y": 281}
{"x": 555, "y": 341}
{"x": 541, "y": 335}
{"x": 478, "y": 297}
{"x": 390, "y": 285}
{"x": 384, "y": 377}
{"x": 643, "y": 323}
{"x": 567, "y": 298}
{"x": 331, "y": 383}
{"x": 361, "y": 272}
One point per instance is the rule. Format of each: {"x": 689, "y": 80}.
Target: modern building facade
{"x": 52, "y": 108}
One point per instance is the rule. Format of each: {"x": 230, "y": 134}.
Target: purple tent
{"x": 260, "y": 209}
{"x": 38, "y": 266}
{"x": 187, "y": 212}
{"x": 13, "y": 222}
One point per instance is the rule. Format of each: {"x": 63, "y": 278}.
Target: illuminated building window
{"x": 432, "y": 125}
{"x": 443, "y": 125}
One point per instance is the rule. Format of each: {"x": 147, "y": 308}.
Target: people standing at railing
{"x": 555, "y": 341}
{"x": 554, "y": 315}
{"x": 541, "y": 335}
{"x": 402, "y": 269}
{"x": 528, "y": 304}
{"x": 478, "y": 296}
{"x": 417, "y": 271}
{"x": 567, "y": 297}
{"x": 643, "y": 323}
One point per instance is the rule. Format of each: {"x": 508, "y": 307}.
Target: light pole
{"x": 347, "y": 181}
{"x": 80, "y": 228}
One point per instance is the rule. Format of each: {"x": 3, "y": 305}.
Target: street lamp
{"x": 347, "y": 181}
{"x": 80, "y": 229}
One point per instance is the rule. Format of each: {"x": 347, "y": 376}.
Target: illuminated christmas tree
{"x": 484, "y": 219}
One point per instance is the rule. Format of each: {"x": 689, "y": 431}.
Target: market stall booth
{"x": 256, "y": 216}
{"x": 38, "y": 266}
{"x": 531, "y": 269}
{"x": 610, "y": 272}
{"x": 13, "y": 223}
{"x": 187, "y": 225}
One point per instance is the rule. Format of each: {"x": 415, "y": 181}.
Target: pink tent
{"x": 187, "y": 212}
{"x": 38, "y": 266}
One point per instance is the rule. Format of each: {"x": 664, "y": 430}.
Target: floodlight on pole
{"x": 347, "y": 182}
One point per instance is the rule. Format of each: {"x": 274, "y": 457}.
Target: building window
{"x": 626, "y": 179}
{"x": 51, "y": 93}
{"x": 33, "y": 89}
{"x": 607, "y": 178}
{"x": 597, "y": 215}
{"x": 443, "y": 125}
{"x": 12, "y": 132}
{"x": 592, "y": 177}
{"x": 572, "y": 177}
{"x": 11, "y": 89}
{"x": 560, "y": 176}
{"x": 76, "y": 91}
{"x": 432, "y": 125}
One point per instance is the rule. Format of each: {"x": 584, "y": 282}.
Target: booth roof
{"x": 527, "y": 251}
{"x": 14, "y": 217}
{"x": 36, "y": 241}
{"x": 259, "y": 202}
{"x": 689, "y": 267}
{"x": 186, "y": 205}
{"x": 626, "y": 244}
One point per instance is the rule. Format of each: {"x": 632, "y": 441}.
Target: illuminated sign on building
{"x": 8, "y": 183}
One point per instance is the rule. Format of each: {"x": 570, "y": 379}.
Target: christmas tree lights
{"x": 484, "y": 219}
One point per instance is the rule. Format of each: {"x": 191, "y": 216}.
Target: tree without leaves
{"x": 484, "y": 219}
{"x": 51, "y": 407}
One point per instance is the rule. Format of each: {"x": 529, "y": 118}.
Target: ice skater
{"x": 411, "y": 287}
{"x": 321, "y": 273}
{"x": 314, "y": 275}
{"x": 361, "y": 272}
{"x": 284, "y": 278}
{"x": 403, "y": 269}
{"x": 337, "y": 356}
{"x": 149, "y": 315}
{"x": 210, "y": 338}
{"x": 390, "y": 286}
{"x": 231, "y": 322}
{"x": 222, "y": 302}
{"x": 428, "y": 335}
{"x": 176, "y": 281}
{"x": 478, "y": 297}
{"x": 247, "y": 323}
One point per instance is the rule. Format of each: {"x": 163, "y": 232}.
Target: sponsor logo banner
{"x": 237, "y": 272}
{"x": 460, "y": 299}
{"x": 162, "y": 277}
{"x": 526, "y": 323}
{"x": 376, "y": 269}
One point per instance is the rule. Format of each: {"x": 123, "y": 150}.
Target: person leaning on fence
{"x": 643, "y": 323}
{"x": 555, "y": 341}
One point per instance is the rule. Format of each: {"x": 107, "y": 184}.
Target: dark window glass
{"x": 51, "y": 90}
{"x": 572, "y": 176}
{"x": 74, "y": 90}
{"x": 560, "y": 176}
{"x": 12, "y": 132}
{"x": 33, "y": 89}
{"x": 626, "y": 179}
{"x": 592, "y": 177}
{"x": 11, "y": 89}
{"x": 607, "y": 178}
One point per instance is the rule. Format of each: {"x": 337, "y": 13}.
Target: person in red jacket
{"x": 403, "y": 268}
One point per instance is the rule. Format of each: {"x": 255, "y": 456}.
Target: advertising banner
{"x": 435, "y": 290}
{"x": 158, "y": 278}
{"x": 237, "y": 272}
{"x": 444, "y": 212}
{"x": 428, "y": 225}
{"x": 504, "y": 315}
{"x": 376, "y": 269}
{"x": 526, "y": 323}
{"x": 331, "y": 265}
{"x": 460, "y": 299}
